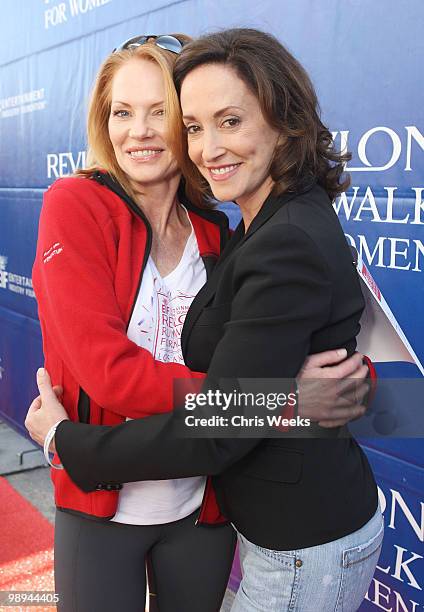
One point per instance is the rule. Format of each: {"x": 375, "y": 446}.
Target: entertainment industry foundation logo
{"x": 23, "y": 103}
{"x": 16, "y": 283}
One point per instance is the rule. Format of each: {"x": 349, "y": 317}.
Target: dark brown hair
{"x": 288, "y": 102}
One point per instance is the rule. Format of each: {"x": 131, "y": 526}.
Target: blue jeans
{"x": 326, "y": 578}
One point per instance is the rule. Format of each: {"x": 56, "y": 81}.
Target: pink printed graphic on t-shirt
{"x": 165, "y": 336}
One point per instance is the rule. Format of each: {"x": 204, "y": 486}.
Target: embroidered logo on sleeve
{"x": 52, "y": 251}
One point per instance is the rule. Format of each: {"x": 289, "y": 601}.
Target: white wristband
{"x": 47, "y": 442}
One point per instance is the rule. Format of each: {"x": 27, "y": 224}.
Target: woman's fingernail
{"x": 342, "y": 352}
{"x": 40, "y": 372}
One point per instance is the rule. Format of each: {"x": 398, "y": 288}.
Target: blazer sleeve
{"x": 80, "y": 315}
{"x": 282, "y": 294}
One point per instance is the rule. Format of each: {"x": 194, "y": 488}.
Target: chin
{"x": 224, "y": 194}
{"x": 144, "y": 177}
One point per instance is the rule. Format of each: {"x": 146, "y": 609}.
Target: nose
{"x": 212, "y": 146}
{"x": 140, "y": 128}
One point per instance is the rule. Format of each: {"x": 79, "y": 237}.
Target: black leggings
{"x": 100, "y": 567}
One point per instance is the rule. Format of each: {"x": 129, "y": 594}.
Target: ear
{"x": 281, "y": 140}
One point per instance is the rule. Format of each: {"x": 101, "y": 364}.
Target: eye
{"x": 120, "y": 113}
{"x": 231, "y": 122}
{"x": 159, "y": 113}
{"x": 192, "y": 129}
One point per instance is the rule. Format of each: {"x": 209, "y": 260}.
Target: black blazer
{"x": 286, "y": 288}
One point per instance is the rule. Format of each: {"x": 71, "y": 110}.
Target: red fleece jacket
{"x": 90, "y": 255}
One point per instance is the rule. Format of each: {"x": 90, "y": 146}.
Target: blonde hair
{"x": 100, "y": 155}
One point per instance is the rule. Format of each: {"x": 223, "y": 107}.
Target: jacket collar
{"x": 211, "y": 239}
{"x": 271, "y": 205}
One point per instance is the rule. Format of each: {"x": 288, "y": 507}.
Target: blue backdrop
{"x": 365, "y": 59}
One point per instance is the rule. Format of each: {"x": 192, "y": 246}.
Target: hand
{"x": 332, "y": 388}
{"x": 45, "y": 410}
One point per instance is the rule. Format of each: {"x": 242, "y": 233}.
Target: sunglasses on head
{"x": 164, "y": 41}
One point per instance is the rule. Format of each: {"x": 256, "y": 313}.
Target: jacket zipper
{"x": 196, "y": 522}
{"x": 117, "y": 189}
{"x": 83, "y": 398}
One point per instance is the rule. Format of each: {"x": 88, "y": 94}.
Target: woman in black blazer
{"x": 305, "y": 506}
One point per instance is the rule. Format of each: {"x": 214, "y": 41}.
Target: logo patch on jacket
{"x": 52, "y": 251}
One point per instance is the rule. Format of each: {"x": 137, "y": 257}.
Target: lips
{"x": 221, "y": 173}
{"x": 141, "y": 155}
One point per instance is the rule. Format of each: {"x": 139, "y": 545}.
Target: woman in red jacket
{"x": 121, "y": 254}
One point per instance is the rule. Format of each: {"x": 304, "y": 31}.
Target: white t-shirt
{"x": 156, "y": 325}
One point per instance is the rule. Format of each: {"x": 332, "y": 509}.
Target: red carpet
{"x": 26, "y": 547}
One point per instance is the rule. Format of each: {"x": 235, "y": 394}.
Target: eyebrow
{"x": 218, "y": 113}
{"x": 158, "y": 103}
